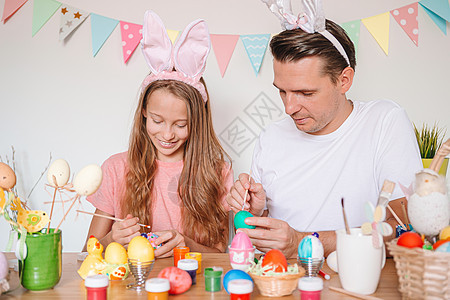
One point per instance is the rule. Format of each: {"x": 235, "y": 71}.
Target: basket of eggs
{"x": 422, "y": 258}
{"x": 273, "y": 276}
{"x": 423, "y": 273}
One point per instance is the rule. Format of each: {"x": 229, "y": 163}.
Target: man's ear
{"x": 346, "y": 79}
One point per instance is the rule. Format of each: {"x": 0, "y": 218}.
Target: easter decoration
{"x": 273, "y": 276}
{"x": 428, "y": 205}
{"x": 241, "y": 251}
{"x": 234, "y": 275}
{"x": 239, "y": 218}
{"x": 310, "y": 254}
{"x": 141, "y": 258}
{"x": 115, "y": 264}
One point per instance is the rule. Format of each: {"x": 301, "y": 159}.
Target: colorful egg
{"x": 445, "y": 233}
{"x": 234, "y": 274}
{"x": 241, "y": 241}
{"x": 276, "y": 261}
{"x": 445, "y": 247}
{"x": 310, "y": 247}
{"x": 61, "y": 170}
{"x": 152, "y": 237}
{"x": 7, "y": 177}
{"x": 88, "y": 180}
{"x": 410, "y": 240}
{"x": 180, "y": 280}
{"x": 239, "y": 220}
{"x": 140, "y": 249}
{"x": 116, "y": 254}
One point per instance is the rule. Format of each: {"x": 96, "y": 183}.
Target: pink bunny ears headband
{"x": 187, "y": 56}
{"x": 312, "y": 20}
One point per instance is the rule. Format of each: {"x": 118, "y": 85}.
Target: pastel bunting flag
{"x": 173, "y": 34}
{"x": 406, "y": 17}
{"x": 439, "y": 7}
{"x": 131, "y": 36}
{"x": 10, "y": 8}
{"x": 441, "y": 23}
{"x": 223, "y": 45}
{"x": 255, "y": 45}
{"x": 70, "y": 19}
{"x": 43, "y": 10}
{"x": 101, "y": 28}
{"x": 352, "y": 28}
{"x": 378, "y": 27}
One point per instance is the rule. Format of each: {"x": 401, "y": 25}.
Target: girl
{"x": 174, "y": 176}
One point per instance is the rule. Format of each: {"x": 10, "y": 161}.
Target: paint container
{"x": 198, "y": 257}
{"x": 157, "y": 288}
{"x": 310, "y": 288}
{"x": 213, "y": 279}
{"x": 240, "y": 289}
{"x": 190, "y": 266}
{"x": 96, "y": 287}
{"x": 179, "y": 253}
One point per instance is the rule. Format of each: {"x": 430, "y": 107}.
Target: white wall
{"x": 55, "y": 97}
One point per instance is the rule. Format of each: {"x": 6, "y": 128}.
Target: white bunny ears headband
{"x": 187, "y": 56}
{"x": 312, "y": 20}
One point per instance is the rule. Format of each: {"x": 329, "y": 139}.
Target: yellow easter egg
{"x": 116, "y": 254}
{"x": 445, "y": 233}
{"x": 140, "y": 249}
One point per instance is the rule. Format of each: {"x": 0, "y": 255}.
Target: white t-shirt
{"x": 305, "y": 176}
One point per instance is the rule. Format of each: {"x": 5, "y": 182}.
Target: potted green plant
{"x": 429, "y": 139}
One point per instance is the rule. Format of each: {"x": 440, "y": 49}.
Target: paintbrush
{"x": 246, "y": 191}
{"x": 347, "y": 229}
{"x": 396, "y": 217}
{"x": 405, "y": 214}
{"x": 108, "y": 217}
{"x": 386, "y": 192}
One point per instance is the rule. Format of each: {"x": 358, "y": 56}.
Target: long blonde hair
{"x": 201, "y": 184}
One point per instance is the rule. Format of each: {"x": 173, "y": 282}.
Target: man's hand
{"x": 256, "y": 197}
{"x": 272, "y": 234}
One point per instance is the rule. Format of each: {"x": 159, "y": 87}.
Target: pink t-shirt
{"x": 167, "y": 204}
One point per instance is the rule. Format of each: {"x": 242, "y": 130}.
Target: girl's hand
{"x": 169, "y": 239}
{"x": 256, "y": 197}
{"x": 122, "y": 232}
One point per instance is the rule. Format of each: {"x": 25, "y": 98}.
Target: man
{"x": 330, "y": 148}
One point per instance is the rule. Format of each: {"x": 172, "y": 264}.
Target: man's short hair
{"x": 293, "y": 45}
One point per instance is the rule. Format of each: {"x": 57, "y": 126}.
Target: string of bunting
{"x": 224, "y": 44}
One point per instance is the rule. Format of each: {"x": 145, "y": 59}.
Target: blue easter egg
{"x": 239, "y": 219}
{"x": 445, "y": 247}
{"x": 310, "y": 247}
{"x": 234, "y": 274}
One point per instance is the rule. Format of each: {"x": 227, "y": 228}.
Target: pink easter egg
{"x": 241, "y": 241}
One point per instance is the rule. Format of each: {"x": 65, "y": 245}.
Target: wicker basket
{"x": 277, "y": 286}
{"x": 422, "y": 274}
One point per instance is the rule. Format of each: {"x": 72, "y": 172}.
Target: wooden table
{"x": 71, "y": 286}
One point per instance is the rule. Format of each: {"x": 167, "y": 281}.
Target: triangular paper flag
{"x": 71, "y": 18}
{"x": 131, "y": 36}
{"x": 11, "y": 6}
{"x": 255, "y": 45}
{"x": 42, "y": 12}
{"x": 406, "y": 17}
{"x": 352, "y": 29}
{"x": 441, "y": 23}
{"x": 378, "y": 27}
{"x": 173, "y": 34}
{"x": 439, "y": 7}
{"x": 101, "y": 28}
{"x": 223, "y": 45}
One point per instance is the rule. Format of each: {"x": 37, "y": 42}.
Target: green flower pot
{"x": 41, "y": 269}
{"x": 443, "y": 170}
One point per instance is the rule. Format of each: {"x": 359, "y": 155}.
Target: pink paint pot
{"x": 241, "y": 259}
